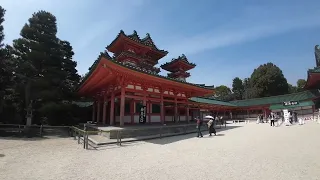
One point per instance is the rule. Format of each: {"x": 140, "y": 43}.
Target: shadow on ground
{"x": 33, "y": 134}
{"x": 173, "y": 139}
{"x": 164, "y": 140}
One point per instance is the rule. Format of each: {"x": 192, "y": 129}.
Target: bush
{"x": 53, "y": 113}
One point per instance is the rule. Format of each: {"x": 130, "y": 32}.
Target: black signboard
{"x": 290, "y": 103}
{"x": 143, "y": 117}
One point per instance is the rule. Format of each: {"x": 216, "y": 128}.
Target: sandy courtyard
{"x": 251, "y": 151}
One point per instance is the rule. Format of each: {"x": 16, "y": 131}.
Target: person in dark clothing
{"x": 199, "y": 124}
{"x": 211, "y": 127}
{"x": 272, "y": 117}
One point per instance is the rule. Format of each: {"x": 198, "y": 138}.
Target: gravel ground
{"x": 249, "y": 152}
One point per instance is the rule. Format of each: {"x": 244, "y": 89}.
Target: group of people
{"x": 272, "y": 117}
{"x": 210, "y": 125}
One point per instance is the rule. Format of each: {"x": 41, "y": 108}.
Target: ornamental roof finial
{"x": 317, "y": 55}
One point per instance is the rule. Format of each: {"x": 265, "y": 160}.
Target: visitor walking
{"x": 258, "y": 119}
{"x": 272, "y": 119}
{"x": 211, "y": 127}
{"x": 199, "y": 124}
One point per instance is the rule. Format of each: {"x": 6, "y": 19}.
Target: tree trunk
{"x": 28, "y": 103}
{"x": 1, "y": 101}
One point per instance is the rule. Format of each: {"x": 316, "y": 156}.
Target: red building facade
{"x": 128, "y": 84}
{"x": 123, "y": 84}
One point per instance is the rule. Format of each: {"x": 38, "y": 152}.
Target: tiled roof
{"x": 314, "y": 70}
{"x": 301, "y": 96}
{"x": 301, "y": 104}
{"x": 135, "y": 68}
{"x": 277, "y": 99}
{"x": 147, "y": 41}
{"x": 211, "y": 101}
{"x": 182, "y": 58}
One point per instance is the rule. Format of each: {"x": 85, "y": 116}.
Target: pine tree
{"x": 4, "y": 73}
{"x": 44, "y": 63}
{"x": 69, "y": 67}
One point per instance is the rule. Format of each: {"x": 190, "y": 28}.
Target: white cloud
{"x": 251, "y": 26}
{"x": 80, "y": 22}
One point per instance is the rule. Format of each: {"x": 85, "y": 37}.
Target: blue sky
{"x": 225, "y": 38}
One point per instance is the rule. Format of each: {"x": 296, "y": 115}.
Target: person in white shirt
{"x": 272, "y": 120}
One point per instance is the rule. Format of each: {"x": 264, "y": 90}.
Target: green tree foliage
{"x": 300, "y": 84}
{"x": 292, "y": 89}
{"x": 223, "y": 93}
{"x": 237, "y": 88}
{"x": 45, "y": 70}
{"x": 268, "y": 80}
{"x": 249, "y": 90}
{"x": 3, "y": 72}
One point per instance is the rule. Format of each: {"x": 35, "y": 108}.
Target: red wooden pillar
{"x": 104, "y": 113}
{"x": 122, "y": 105}
{"x": 265, "y": 113}
{"x": 145, "y": 99}
{"x": 98, "y": 112}
{"x": 162, "y": 117}
{"x": 175, "y": 109}
{"x": 149, "y": 110}
{"x": 132, "y": 111}
{"x": 187, "y": 113}
{"x": 313, "y": 110}
{"x": 93, "y": 111}
{"x": 112, "y": 108}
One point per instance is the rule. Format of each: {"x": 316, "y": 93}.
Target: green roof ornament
{"x": 317, "y": 55}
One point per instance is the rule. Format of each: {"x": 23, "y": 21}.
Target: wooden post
{"x": 187, "y": 113}
{"x": 112, "y": 109}
{"x": 149, "y": 110}
{"x": 104, "y": 113}
{"x": 313, "y": 109}
{"x": 98, "y": 112}
{"x": 175, "y": 109}
{"x": 162, "y": 117}
{"x": 132, "y": 110}
{"x": 87, "y": 140}
{"x": 93, "y": 111}
{"x": 122, "y": 105}
{"x": 41, "y": 130}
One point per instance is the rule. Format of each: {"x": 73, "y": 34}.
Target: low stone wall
{"x": 161, "y": 130}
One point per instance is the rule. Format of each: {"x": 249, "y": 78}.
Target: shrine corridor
{"x": 249, "y": 152}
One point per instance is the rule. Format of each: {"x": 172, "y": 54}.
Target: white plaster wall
{"x": 127, "y": 119}
{"x": 136, "y": 119}
{"x": 155, "y": 118}
{"x": 130, "y": 86}
{"x": 169, "y": 118}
